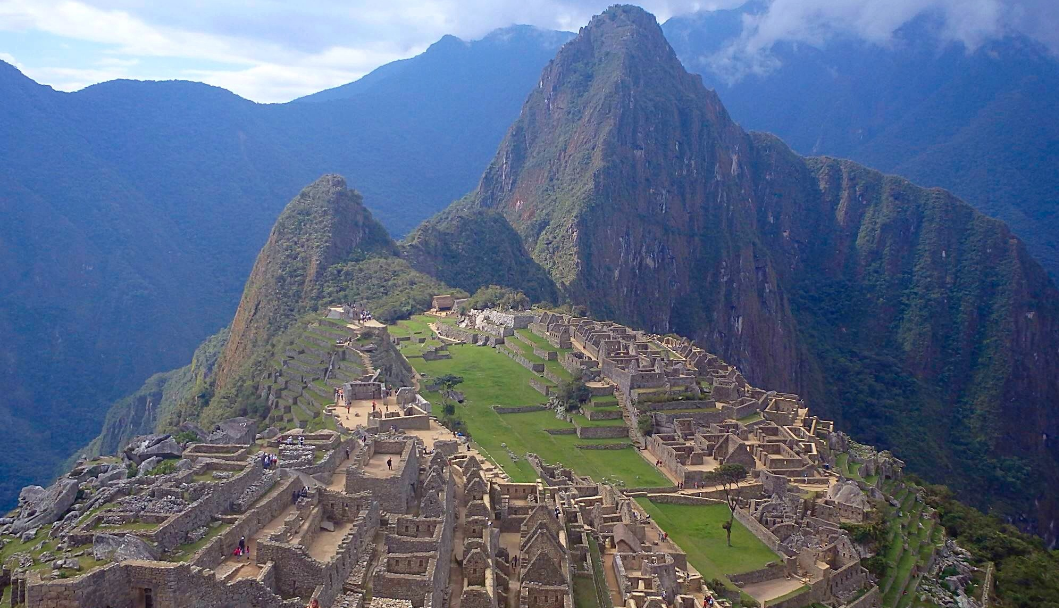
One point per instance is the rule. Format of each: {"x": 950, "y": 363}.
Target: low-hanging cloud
{"x": 815, "y": 22}
{"x": 274, "y": 50}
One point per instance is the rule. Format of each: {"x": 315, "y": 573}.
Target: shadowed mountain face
{"x": 131, "y": 212}
{"x": 976, "y": 122}
{"x": 916, "y": 322}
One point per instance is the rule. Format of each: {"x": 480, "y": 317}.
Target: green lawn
{"x": 585, "y": 592}
{"x": 539, "y": 342}
{"x": 491, "y": 378}
{"x": 698, "y": 531}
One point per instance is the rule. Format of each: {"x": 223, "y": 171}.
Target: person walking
{"x": 389, "y": 463}
{"x": 242, "y": 548}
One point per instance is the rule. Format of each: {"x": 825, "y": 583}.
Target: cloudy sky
{"x": 276, "y": 50}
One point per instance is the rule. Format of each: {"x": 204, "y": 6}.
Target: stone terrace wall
{"x": 521, "y": 409}
{"x": 767, "y": 573}
{"x": 760, "y": 531}
{"x": 540, "y": 386}
{"x": 418, "y": 422}
{"x": 536, "y": 368}
{"x": 218, "y": 549}
{"x": 707, "y": 405}
{"x": 602, "y": 432}
{"x": 175, "y": 529}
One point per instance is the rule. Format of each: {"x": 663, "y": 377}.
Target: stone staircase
{"x": 630, "y": 421}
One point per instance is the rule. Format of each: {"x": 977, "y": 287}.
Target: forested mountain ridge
{"x": 976, "y": 121}
{"x": 916, "y": 322}
{"x": 131, "y": 213}
{"x": 325, "y": 248}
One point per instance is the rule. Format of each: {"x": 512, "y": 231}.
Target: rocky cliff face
{"x": 916, "y": 322}
{"x": 326, "y": 224}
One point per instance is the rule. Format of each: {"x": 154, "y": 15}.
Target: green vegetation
{"x": 494, "y": 296}
{"x": 498, "y": 380}
{"x": 1027, "y": 573}
{"x": 699, "y": 531}
{"x": 185, "y": 552}
{"x": 165, "y": 467}
{"x": 585, "y": 592}
{"x": 573, "y": 394}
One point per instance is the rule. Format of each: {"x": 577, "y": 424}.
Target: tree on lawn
{"x": 572, "y": 394}
{"x": 446, "y": 384}
{"x": 729, "y": 476}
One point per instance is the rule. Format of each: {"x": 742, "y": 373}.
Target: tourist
{"x": 314, "y": 603}
{"x": 242, "y": 548}
{"x": 301, "y": 440}
{"x": 389, "y": 463}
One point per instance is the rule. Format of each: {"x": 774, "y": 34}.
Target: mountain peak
{"x": 324, "y": 225}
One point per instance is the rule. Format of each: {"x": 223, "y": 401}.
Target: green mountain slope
{"x": 325, "y": 248}
{"x": 131, "y": 213}
{"x": 914, "y": 321}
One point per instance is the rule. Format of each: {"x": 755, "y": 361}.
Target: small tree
{"x": 446, "y": 384}
{"x": 646, "y": 424}
{"x": 729, "y": 475}
{"x": 573, "y": 394}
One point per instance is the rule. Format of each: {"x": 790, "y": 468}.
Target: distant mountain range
{"x": 131, "y": 212}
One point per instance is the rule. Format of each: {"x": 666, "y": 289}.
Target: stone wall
{"x": 547, "y": 355}
{"x": 550, "y": 375}
{"x": 218, "y": 549}
{"x": 684, "y": 499}
{"x": 690, "y": 404}
{"x": 536, "y": 368}
{"x": 392, "y": 491}
{"x": 610, "y": 414}
{"x": 297, "y": 573}
{"x": 760, "y": 531}
{"x": 417, "y": 422}
{"x": 603, "y": 432}
{"x": 504, "y": 409}
{"x": 767, "y": 573}
{"x": 540, "y": 386}
{"x": 219, "y": 501}
{"x": 458, "y": 334}
{"x": 705, "y": 417}
{"x": 171, "y": 584}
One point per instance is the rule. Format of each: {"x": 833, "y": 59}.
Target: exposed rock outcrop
{"x": 38, "y": 506}
{"x": 117, "y": 548}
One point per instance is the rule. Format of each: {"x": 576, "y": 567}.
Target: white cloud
{"x": 814, "y": 22}
{"x": 275, "y": 50}
{"x": 8, "y": 57}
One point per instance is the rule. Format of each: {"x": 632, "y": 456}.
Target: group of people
{"x": 290, "y": 439}
{"x": 269, "y": 460}
{"x": 242, "y": 549}
{"x": 302, "y": 493}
